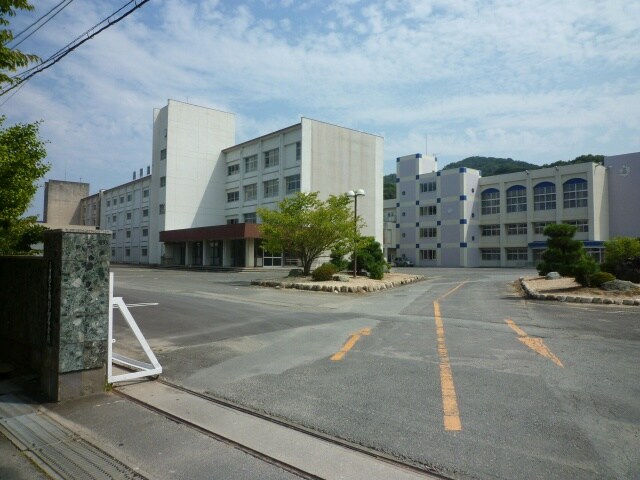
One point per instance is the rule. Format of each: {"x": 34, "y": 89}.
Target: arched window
{"x": 490, "y": 201}
{"x": 516, "y": 199}
{"x": 544, "y": 196}
{"x": 575, "y": 193}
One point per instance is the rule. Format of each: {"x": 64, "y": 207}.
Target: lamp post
{"x": 355, "y": 195}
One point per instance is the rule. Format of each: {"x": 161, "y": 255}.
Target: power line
{"x": 38, "y": 21}
{"x": 70, "y": 47}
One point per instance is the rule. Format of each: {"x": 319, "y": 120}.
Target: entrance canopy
{"x": 216, "y": 232}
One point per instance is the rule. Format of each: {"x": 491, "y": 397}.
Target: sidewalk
{"x": 110, "y": 435}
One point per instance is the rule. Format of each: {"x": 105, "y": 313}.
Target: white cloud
{"x": 536, "y": 81}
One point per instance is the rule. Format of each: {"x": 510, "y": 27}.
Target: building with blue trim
{"x": 457, "y": 218}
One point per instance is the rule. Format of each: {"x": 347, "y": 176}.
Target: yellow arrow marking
{"x": 350, "y": 343}
{"x": 535, "y": 344}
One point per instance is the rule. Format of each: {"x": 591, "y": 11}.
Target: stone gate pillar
{"x": 75, "y": 350}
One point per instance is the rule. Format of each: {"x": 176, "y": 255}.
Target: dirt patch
{"x": 568, "y": 286}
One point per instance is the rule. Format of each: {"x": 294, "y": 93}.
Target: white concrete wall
{"x": 337, "y": 159}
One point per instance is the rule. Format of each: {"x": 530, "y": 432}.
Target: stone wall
{"x": 23, "y": 306}
{"x": 54, "y": 312}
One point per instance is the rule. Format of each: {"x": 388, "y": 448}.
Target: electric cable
{"x": 56, "y": 57}
{"x": 37, "y": 21}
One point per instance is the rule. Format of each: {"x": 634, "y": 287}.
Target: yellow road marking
{"x": 535, "y": 344}
{"x": 449, "y": 399}
{"x": 350, "y": 343}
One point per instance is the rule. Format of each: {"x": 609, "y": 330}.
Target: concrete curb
{"x": 333, "y": 288}
{"x": 533, "y": 294}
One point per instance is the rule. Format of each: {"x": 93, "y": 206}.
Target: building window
{"x": 270, "y": 188}
{"x": 428, "y": 232}
{"x": 428, "y": 187}
{"x": 145, "y": 232}
{"x": 145, "y": 213}
{"x": 233, "y": 196}
{"x": 113, "y": 252}
{"x": 581, "y": 225}
{"x": 293, "y": 183}
{"x": 121, "y": 198}
{"x": 516, "y": 199}
{"x": 163, "y": 181}
{"x": 163, "y": 154}
{"x": 271, "y": 158}
{"x": 298, "y": 151}
{"x": 161, "y": 209}
{"x": 575, "y": 193}
{"x": 427, "y": 254}
{"x": 144, "y": 252}
{"x": 490, "y": 230}
{"x": 145, "y": 193}
{"x": 108, "y": 203}
{"x": 250, "y": 163}
{"x": 128, "y": 234}
{"x": 538, "y": 227}
{"x": 113, "y": 235}
{"x": 233, "y": 169}
{"x": 250, "y": 192}
{"x": 114, "y": 218}
{"x": 129, "y": 216}
{"x": 521, "y": 254}
{"x": 249, "y": 217}
{"x": 516, "y": 228}
{"x": 127, "y": 252}
{"x": 544, "y": 196}
{"x": 232, "y": 221}
{"x": 490, "y": 202}
{"x": 490, "y": 253}
{"x": 129, "y": 197}
{"x": 428, "y": 210}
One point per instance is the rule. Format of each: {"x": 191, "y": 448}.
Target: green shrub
{"x": 599, "y": 278}
{"x": 376, "y": 271}
{"x": 324, "y": 272}
{"x": 337, "y": 257}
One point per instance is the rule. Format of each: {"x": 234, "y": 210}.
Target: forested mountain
{"x": 493, "y": 166}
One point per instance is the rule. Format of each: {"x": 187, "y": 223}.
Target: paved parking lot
{"x": 457, "y": 372}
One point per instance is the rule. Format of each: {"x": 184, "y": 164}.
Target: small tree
{"x": 306, "y": 226}
{"x": 370, "y": 257}
{"x": 22, "y": 164}
{"x": 618, "y": 250}
{"x": 566, "y": 255}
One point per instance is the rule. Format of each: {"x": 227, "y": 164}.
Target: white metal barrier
{"x": 143, "y": 369}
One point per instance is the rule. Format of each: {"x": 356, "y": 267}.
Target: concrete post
{"x": 75, "y": 350}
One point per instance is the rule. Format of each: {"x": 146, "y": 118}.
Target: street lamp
{"x": 355, "y": 195}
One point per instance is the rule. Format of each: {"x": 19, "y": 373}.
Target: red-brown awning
{"x": 215, "y": 232}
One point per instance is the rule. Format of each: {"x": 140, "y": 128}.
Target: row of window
{"x": 127, "y": 234}
{"x": 271, "y": 159}
{"x": 129, "y": 197}
{"x": 521, "y": 228}
{"x": 144, "y": 252}
{"x": 128, "y": 216}
{"x": 574, "y": 191}
{"x": 246, "y": 218}
{"x": 270, "y": 188}
{"x": 492, "y": 254}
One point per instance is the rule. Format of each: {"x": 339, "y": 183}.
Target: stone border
{"x": 531, "y": 293}
{"x": 332, "y": 288}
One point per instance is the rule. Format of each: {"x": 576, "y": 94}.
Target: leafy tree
{"x": 307, "y": 227}
{"x": 566, "y": 255}
{"x": 619, "y": 249}
{"x": 337, "y": 256}
{"x": 11, "y": 60}
{"x": 22, "y": 164}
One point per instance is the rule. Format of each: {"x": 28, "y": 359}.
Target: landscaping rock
{"x": 553, "y": 276}
{"x": 618, "y": 285}
{"x": 296, "y": 272}
{"x": 340, "y": 278}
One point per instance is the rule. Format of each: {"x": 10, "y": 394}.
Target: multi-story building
{"x": 459, "y": 218}
{"x": 199, "y": 205}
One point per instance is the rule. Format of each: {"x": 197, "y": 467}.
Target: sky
{"x": 536, "y": 80}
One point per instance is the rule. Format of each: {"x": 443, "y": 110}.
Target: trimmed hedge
{"x": 324, "y": 272}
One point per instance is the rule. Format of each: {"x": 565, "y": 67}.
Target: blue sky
{"x": 538, "y": 81}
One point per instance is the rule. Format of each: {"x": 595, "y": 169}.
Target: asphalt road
{"x": 457, "y": 372}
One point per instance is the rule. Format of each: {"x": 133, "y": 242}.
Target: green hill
{"x": 490, "y": 166}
